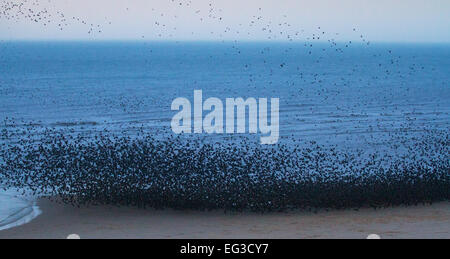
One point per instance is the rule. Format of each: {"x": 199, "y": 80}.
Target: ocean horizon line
{"x": 94, "y": 41}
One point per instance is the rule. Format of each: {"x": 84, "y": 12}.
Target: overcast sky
{"x": 380, "y": 20}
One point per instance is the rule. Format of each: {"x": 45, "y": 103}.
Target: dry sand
{"x": 58, "y": 221}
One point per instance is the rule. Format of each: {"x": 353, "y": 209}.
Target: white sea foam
{"x": 16, "y": 209}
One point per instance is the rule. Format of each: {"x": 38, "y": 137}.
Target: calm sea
{"x": 346, "y": 94}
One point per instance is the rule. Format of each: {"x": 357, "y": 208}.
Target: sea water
{"x": 16, "y": 209}
{"x": 354, "y": 95}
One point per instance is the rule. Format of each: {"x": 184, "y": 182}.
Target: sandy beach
{"x": 58, "y": 221}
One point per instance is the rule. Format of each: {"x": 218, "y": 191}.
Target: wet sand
{"x": 59, "y": 221}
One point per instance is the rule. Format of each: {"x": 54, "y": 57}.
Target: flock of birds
{"x": 33, "y": 11}
{"x": 317, "y": 43}
{"x": 46, "y": 14}
{"x": 145, "y": 171}
{"x": 234, "y": 176}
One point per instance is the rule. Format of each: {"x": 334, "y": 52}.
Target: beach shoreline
{"x": 57, "y": 221}
{"x": 16, "y": 208}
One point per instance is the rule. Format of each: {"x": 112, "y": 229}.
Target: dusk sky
{"x": 383, "y": 20}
